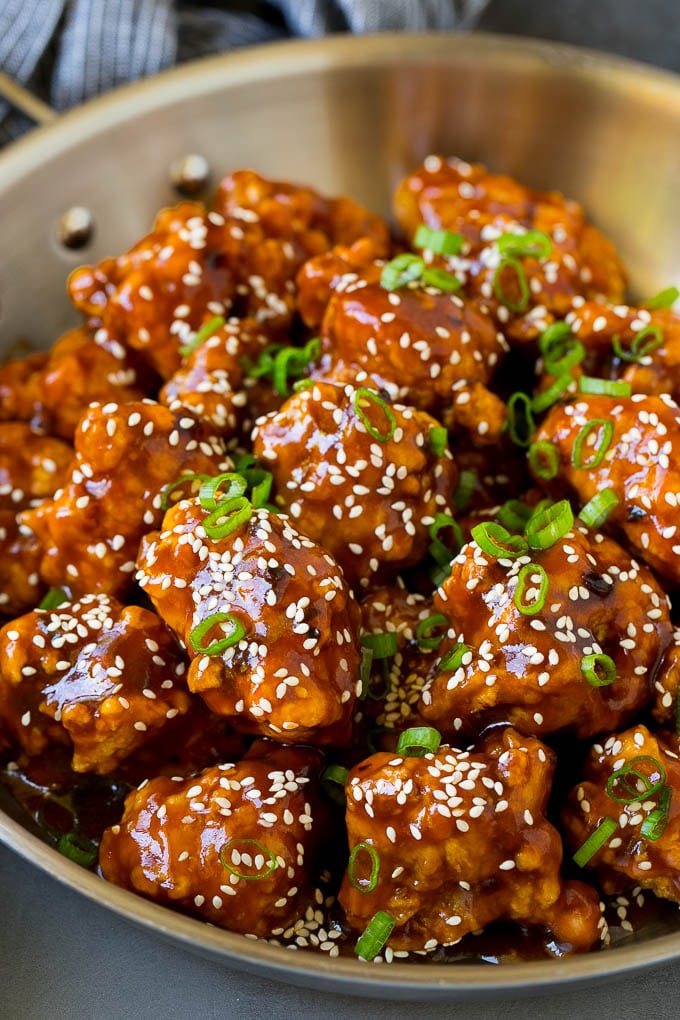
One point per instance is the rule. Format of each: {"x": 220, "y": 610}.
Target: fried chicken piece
{"x": 461, "y": 840}
{"x": 238, "y": 259}
{"x": 597, "y": 325}
{"x": 32, "y": 465}
{"x": 21, "y": 388}
{"x": 531, "y": 668}
{"x": 124, "y": 455}
{"x": 210, "y": 383}
{"x": 267, "y": 618}
{"x": 641, "y": 803}
{"x": 238, "y": 845}
{"x": 667, "y": 685}
{"x": 630, "y": 445}
{"x": 358, "y": 475}
{"x": 20, "y": 554}
{"x": 94, "y": 675}
{"x": 464, "y": 198}
{"x": 421, "y": 345}
{"x": 336, "y": 269}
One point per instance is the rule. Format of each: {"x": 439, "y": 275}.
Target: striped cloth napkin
{"x": 70, "y": 50}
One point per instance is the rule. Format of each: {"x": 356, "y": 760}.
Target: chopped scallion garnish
{"x": 494, "y": 540}
{"x": 401, "y": 270}
{"x": 53, "y": 598}
{"x": 363, "y": 885}
{"x": 633, "y": 782}
{"x": 522, "y": 285}
{"x": 656, "y": 821}
{"x": 440, "y": 279}
{"x": 440, "y": 551}
{"x": 453, "y": 659}
{"x": 520, "y": 420}
{"x": 532, "y": 580}
{"x": 598, "y": 670}
{"x": 233, "y": 484}
{"x": 418, "y": 741}
{"x": 375, "y": 935}
{"x": 175, "y": 487}
{"x": 544, "y": 460}
{"x": 203, "y": 334}
{"x": 603, "y": 387}
{"x": 241, "y": 855}
{"x": 549, "y": 396}
{"x": 664, "y": 299}
{"x": 439, "y": 242}
{"x": 383, "y": 645}
{"x": 216, "y": 620}
{"x": 547, "y": 526}
{"x": 229, "y": 515}
{"x": 78, "y": 849}
{"x": 602, "y": 432}
{"x": 596, "y": 840}
{"x": 531, "y": 244}
{"x": 424, "y": 631}
{"x": 560, "y": 349}
{"x": 647, "y": 340}
{"x": 597, "y": 510}
{"x": 368, "y": 398}
{"x": 439, "y": 439}
{"x": 514, "y": 515}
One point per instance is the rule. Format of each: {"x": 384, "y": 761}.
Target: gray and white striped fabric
{"x": 71, "y": 50}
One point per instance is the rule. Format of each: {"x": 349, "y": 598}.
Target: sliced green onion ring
{"x": 640, "y": 345}
{"x": 664, "y": 299}
{"x": 382, "y": 645}
{"x": 467, "y": 480}
{"x": 202, "y": 630}
{"x": 630, "y": 775}
{"x": 546, "y": 398}
{"x": 544, "y": 459}
{"x": 418, "y": 741}
{"x": 265, "y": 853}
{"x": 596, "y": 840}
{"x": 520, "y": 420}
{"x": 598, "y": 670}
{"x": 514, "y": 514}
{"x": 375, "y": 935}
{"x": 605, "y": 430}
{"x": 531, "y": 244}
{"x": 78, "y": 849}
{"x": 526, "y": 579}
{"x": 439, "y": 242}
{"x": 440, "y": 279}
{"x": 53, "y": 598}
{"x": 515, "y": 306}
{"x": 598, "y": 509}
{"x": 203, "y": 334}
{"x": 376, "y": 401}
{"x": 453, "y": 659}
{"x": 333, "y": 780}
{"x": 171, "y": 487}
{"x": 291, "y": 362}
{"x": 549, "y": 525}
{"x": 439, "y": 440}
{"x": 438, "y": 549}
{"x": 229, "y": 515}
{"x": 236, "y": 486}
{"x": 656, "y": 821}
{"x": 401, "y": 270}
{"x": 603, "y": 387}
{"x": 496, "y": 541}
{"x": 369, "y": 884}
{"x": 424, "y": 636}
{"x": 560, "y": 349}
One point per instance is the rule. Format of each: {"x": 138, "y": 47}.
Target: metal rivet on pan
{"x": 190, "y": 174}
{"x": 76, "y": 227}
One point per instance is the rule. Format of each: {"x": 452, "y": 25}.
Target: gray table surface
{"x": 63, "y": 956}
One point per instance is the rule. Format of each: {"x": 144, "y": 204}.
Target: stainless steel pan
{"x": 348, "y": 115}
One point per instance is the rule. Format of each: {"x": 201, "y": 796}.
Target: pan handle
{"x": 25, "y": 101}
